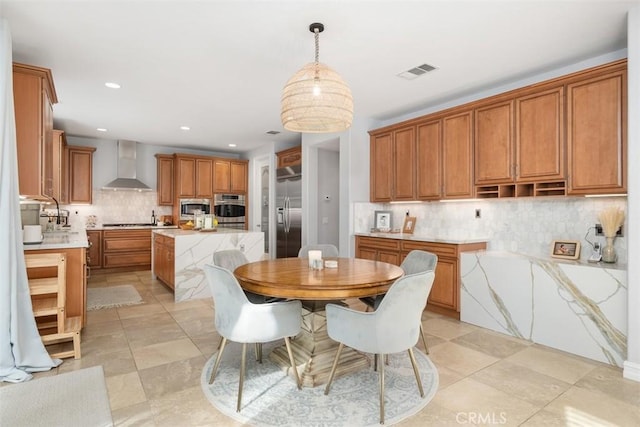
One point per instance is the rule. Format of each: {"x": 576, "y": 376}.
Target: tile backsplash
{"x": 526, "y": 226}
{"x": 117, "y": 207}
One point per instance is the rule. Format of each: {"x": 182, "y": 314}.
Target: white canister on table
{"x": 313, "y": 256}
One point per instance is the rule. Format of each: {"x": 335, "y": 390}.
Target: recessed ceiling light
{"x": 101, "y": 129}
{"x": 185, "y": 128}
{"x": 232, "y": 145}
{"x": 112, "y": 85}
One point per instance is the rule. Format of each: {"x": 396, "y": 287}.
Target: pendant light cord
{"x": 316, "y": 34}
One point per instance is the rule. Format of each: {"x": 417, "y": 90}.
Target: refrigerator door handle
{"x": 287, "y": 223}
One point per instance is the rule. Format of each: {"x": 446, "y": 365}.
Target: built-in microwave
{"x": 189, "y": 206}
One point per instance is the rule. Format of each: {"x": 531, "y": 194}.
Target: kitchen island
{"x": 74, "y": 245}
{"x": 178, "y": 256}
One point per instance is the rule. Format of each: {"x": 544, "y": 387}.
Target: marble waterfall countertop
{"x": 422, "y": 238}
{"x": 60, "y": 240}
{"x": 577, "y": 307}
{"x": 194, "y": 249}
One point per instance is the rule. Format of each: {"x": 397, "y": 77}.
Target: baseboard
{"x": 631, "y": 371}
{"x": 444, "y": 311}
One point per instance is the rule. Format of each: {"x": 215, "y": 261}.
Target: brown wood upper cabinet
{"x": 289, "y": 157}
{"x": 494, "y": 143}
{"x": 34, "y": 95}
{"x": 596, "y": 132}
{"x": 193, "y": 176}
{"x": 230, "y": 176}
{"x": 429, "y": 160}
{"x": 565, "y": 136}
{"x": 204, "y": 178}
{"x": 164, "y": 163}
{"x": 520, "y": 139}
{"x": 381, "y": 174}
{"x": 60, "y": 167}
{"x": 80, "y": 172}
{"x": 404, "y": 163}
{"x": 73, "y": 171}
{"x": 457, "y": 155}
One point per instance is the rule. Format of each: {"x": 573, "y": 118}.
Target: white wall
{"x": 328, "y": 197}
{"x": 632, "y": 364}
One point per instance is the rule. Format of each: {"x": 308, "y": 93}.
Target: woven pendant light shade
{"x": 316, "y": 99}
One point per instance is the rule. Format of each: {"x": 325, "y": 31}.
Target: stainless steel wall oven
{"x": 230, "y": 210}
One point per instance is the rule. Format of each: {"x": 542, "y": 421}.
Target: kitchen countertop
{"x": 431, "y": 239}
{"x": 179, "y": 232}
{"x": 61, "y": 240}
{"x": 136, "y": 227}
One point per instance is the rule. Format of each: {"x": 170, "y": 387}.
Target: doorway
{"x": 260, "y": 200}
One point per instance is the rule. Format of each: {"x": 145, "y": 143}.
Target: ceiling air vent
{"x": 416, "y": 71}
{"x": 272, "y": 132}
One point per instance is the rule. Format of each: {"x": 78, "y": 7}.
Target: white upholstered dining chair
{"x": 239, "y": 320}
{"x": 416, "y": 261}
{"x": 392, "y": 328}
{"x": 328, "y": 250}
{"x": 232, "y": 259}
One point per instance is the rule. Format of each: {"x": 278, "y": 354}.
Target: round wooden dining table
{"x": 292, "y": 278}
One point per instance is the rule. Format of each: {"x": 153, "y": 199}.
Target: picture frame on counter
{"x": 382, "y": 221}
{"x": 409, "y": 224}
{"x": 565, "y": 249}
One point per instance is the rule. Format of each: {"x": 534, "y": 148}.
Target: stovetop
{"x": 129, "y": 225}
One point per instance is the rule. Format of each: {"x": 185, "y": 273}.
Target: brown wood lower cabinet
{"x": 163, "y": 259}
{"x": 76, "y": 277}
{"x": 445, "y": 293}
{"x": 94, "y": 253}
{"x": 126, "y": 248}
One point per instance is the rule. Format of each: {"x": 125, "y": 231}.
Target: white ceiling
{"x": 219, "y": 66}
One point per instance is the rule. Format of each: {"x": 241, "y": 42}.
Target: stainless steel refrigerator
{"x": 288, "y": 211}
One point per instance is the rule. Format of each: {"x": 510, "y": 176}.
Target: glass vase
{"x": 609, "y": 252}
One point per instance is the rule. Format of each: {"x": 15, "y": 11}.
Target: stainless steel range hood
{"x": 126, "y": 179}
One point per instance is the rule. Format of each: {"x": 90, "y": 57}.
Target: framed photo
{"x": 382, "y": 220}
{"x": 567, "y": 249}
{"x": 409, "y": 224}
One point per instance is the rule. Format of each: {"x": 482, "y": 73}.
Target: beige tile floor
{"x": 153, "y": 355}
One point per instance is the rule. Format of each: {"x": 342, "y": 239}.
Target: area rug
{"x": 112, "y": 296}
{"x": 77, "y": 398}
{"x": 270, "y": 398}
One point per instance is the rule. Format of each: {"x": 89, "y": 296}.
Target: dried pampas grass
{"x": 611, "y": 220}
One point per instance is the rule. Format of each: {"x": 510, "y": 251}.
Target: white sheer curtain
{"x": 21, "y": 350}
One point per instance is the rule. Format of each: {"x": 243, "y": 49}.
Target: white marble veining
{"x": 60, "y": 240}
{"x": 575, "y": 307}
{"x": 194, "y": 249}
